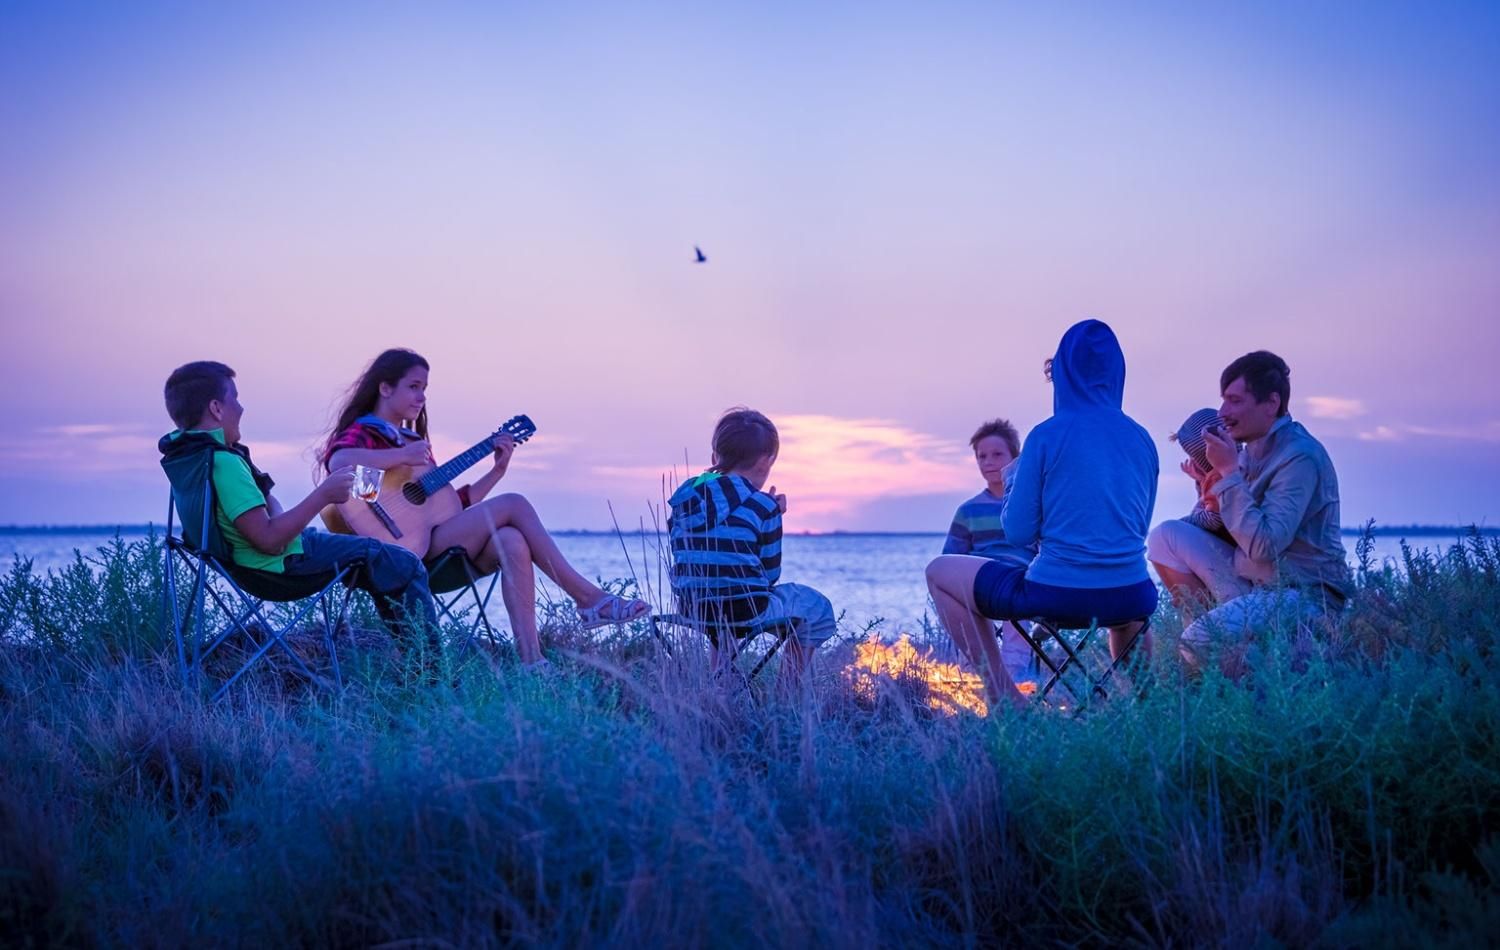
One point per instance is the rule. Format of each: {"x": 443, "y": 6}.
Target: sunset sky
{"x": 903, "y": 205}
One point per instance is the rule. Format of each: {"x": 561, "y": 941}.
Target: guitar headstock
{"x": 518, "y": 427}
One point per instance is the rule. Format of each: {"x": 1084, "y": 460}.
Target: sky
{"x": 903, "y": 208}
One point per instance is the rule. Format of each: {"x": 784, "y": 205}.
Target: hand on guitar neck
{"x": 505, "y": 446}
{"x": 415, "y": 453}
{"x": 417, "y": 496}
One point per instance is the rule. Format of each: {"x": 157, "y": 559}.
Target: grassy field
{"x": 1344, "y": 793}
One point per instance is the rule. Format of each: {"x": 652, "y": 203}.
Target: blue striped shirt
{"x": 726, "y": 547}
{"x": 977, "y": 529}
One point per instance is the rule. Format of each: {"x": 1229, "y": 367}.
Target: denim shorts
{"x": 1003, "y": 592}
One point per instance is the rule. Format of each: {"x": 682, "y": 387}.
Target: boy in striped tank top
{"x": 726, "y": 548}
{"x": 977, "y": 528}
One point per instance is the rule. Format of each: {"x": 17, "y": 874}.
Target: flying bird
{"x": 700, "y": 259}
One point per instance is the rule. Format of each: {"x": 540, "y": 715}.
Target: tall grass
{"x": 1341, "y": 794}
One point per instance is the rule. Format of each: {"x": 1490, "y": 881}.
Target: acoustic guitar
{"x": 414, "y": 499}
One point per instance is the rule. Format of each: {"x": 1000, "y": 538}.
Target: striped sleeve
{"x": 770, "y": 543}
{"x": 959, "y": 540}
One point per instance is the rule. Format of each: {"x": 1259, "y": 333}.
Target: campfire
{"x": 944, "y": 687}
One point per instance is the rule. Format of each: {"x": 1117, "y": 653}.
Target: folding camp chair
{"x": 451, "y": 576}
{"x": 240, "y": 595}
{"x": 723, "y": 633}
{"x": 1044, "y": 629}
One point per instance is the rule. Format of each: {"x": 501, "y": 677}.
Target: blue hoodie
{"x": 1085, "y": 483}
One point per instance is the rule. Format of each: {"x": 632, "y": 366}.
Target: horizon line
{"x": 1415, "y": 530}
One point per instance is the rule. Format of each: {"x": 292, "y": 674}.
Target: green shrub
{"x": 1343, "y": 793}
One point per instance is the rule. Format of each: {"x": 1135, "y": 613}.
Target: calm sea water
{"x": 869, "y": 577}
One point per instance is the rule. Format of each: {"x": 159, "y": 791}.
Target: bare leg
{"x": 950, "y": 580}
{"x": 1119, "y": 640}
{"x": 518, "y": 591}
{"x": 473, "y": 528}
{"x": 1189, "y": 594}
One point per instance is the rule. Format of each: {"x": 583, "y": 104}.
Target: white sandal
{"x": 611, "y": 610}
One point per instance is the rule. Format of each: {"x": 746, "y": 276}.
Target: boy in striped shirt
{"x": 977, "y": 529}
{"x": 726, "y": 549}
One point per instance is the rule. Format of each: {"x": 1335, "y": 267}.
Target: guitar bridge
{"x": 385, "y": 518}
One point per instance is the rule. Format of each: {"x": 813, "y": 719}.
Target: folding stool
{"x": 736, "y": 635}
{"x": 1044, "y": 628}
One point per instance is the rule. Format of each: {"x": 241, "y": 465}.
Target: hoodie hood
{"x": 707, "y": 500}
{"x": 1088, "y": 371}
{"x": 179, "y": 447}
{"x": 179, "y": 443}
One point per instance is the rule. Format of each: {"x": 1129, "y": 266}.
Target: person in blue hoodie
{"x": 1082, "y": 490}
{"x": 726, "y": 548}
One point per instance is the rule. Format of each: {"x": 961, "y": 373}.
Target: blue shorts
{"x": 1002, "y": 592}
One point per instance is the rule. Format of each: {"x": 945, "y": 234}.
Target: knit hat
{"x": 1190, "y": 436}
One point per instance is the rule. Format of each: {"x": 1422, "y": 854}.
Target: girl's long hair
{"x": 363, "y": 396}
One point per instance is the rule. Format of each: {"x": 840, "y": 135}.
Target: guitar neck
{"x": 456, "y": 466}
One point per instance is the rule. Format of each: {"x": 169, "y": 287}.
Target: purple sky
{"x": 903, "y": 205}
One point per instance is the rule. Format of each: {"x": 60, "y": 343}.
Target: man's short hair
{"x": 191, "y": 387}
{"x": 1003, "y": 429}
{"x": 1265, "y": 373}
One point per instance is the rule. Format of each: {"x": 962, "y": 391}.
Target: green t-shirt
{"x": 235, "y": 492}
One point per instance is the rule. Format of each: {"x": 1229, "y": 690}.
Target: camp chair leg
{"x": 180, "y": 620}
{"x": 252, "y": 610}
{"x": 1054, "y": 668}
{"x": 198, "y": 614}
{"x": 275, "y": 638}
{"x": 171, "y": 619}
{"x": 1125, "y": 653}
{"x": 781, "y": 638}
{"x": 656, "y": 632}
{"x": 169, "y": 605}
{"x": 448, "y": 608}
{"x": 330, "y": 626}
{"x": 781, "y": 630}
{"x": 447, "y": 596}
{"x": 1071, "y": 656}
{"x": 238, "y": 624}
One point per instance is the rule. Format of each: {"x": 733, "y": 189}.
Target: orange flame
{"x": 950, "y": 688}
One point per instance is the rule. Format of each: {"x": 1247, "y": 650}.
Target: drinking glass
{"x": 366, "y": 485}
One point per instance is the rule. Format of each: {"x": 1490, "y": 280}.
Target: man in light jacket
{"x": 1279, "y": 499}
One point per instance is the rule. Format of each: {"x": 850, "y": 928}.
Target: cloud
{"x": 87, "y": 429}
{"x": 83, "y": 451}
{"x": 1400, "y": 432}
{"x": 831, "y": 466}
{"x": 87, "y": 452}
{"x": 1334, "y": 407}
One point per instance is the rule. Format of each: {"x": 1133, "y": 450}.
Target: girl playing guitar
{"x": 383, "y": 424}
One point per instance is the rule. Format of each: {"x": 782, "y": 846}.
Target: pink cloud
{"x": 830, "y": 466}
{"x": 1335, "y": 407}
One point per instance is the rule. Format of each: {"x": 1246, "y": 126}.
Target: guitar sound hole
{"x": 413, "y": 493}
